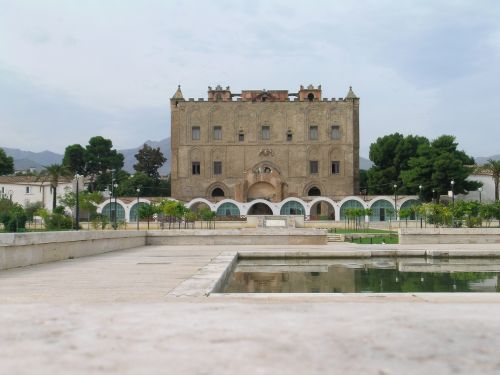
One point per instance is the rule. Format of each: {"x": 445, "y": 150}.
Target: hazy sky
{"x": 70, "y": 70}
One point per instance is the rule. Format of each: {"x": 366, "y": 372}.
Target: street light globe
{"x": 138, "y": 190}
{"x": 480, "y": 189}
{"x": 420, "y": 187}
{"x": 452, "y": 182}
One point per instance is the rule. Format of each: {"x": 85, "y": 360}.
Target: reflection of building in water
{"x": 336, "y": 280}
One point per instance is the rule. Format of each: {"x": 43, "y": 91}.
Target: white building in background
{"x": 488, "y": 189}
{"x": 26, "y": 189}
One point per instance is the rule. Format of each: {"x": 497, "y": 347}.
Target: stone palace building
{"x": 264, "y": 144}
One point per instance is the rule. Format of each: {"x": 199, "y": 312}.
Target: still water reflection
{"x": 380, "y": 275}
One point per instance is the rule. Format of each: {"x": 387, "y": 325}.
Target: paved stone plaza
{"x": 111, "y": 313}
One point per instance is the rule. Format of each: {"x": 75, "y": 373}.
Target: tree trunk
{"x": 497, "y": 181}
{"x": 54, "y": 198}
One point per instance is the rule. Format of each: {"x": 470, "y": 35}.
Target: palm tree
{"x": 53, "y": 173}
{"x": 493, "y": 167}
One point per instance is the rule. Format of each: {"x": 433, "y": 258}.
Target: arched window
{"x": 133, "y": 210}
{"x": 292, "y": 208}
{"x": 218, "y": 192}
{"x": 382, "y": 210}
{"x": 228, "y": 209}
{"x": 314, "y": 192}
{"x": 109, "y": 211}
{"x": 349, "y": 204}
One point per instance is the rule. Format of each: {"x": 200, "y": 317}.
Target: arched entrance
{"x": 261, "y": 190}
{"x": 322, "y": 210}
{"x": 196, "y": 207}
{"x": 260, "y": 209}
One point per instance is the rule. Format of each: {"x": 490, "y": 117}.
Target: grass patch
{"x": 374, "y": 240}
{"x": 367, "y": 230}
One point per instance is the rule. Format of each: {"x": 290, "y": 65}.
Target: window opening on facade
{"x": 314, "y": 192}
{"x": 266, "y": 132}
{"x": 195, "y": 167}
{"x": 218, "y": 192}
{"x": 217, "y": 167}
{"x": 313, "y": 133}
{"x": 313, "y": 166}
{"x": 195, "y": 133}
{"x": 335, "y": 132}
{"x": 241, "y": 137}
{"x": 217, "y": 133}
{"x": 289, "y": 136}
{"x": 335, "y": 167}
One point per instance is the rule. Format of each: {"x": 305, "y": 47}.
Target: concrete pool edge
{"x": 208, "y": 281}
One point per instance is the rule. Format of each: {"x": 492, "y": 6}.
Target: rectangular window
{"x": 195, "y": 167}
{"x": 241, "y": 137}
{"x": 195, "y": 133}
{"x": 335, "y": 132}
{"x": 335, "y": 167}
{"x": 313, "y": 166}
{"x": 217, "y": 167}
{"x": 289, "y": 136}
{"x": 265, "y": 132}
{"x": 28, "y": 190}
{"x": 217, "y": 133}
{"x": 3, "y": 190}
{"x": 313, "y": 133}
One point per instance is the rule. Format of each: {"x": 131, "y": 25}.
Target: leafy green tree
{"x": 435, "y": 165}
{"x": 127, "y": 187}
{"x": 146, "y": 211}
{"x": 149, "y": 160}
{"x": 390, "y": 155}
{"x": 74, "y": 159}
{"x": 31, "y": 209}
{"x": 6, "y": 163}
{"x": 13, "y": 217}
{"x": 100, "y": 159}
{"x": 493, "y": 167}
{"x": 53, "y": 174}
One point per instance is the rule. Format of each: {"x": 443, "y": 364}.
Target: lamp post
{"x": 115, "y": 225}
{"x": 480, "y": 191}
{"x": 395, "y": 202}
{"x": 77, "y": 218}
{"x": 452, "y": 192}
{"x": 11, "y": 193}
{"x": 138, "y": 190}
{"x": 420, "y": 187}
{"x": 433, "y": 193}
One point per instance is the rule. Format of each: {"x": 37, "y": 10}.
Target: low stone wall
{"x": 25, "y": 249}
{"x": 449, "y": 235}
{"x": 237, "y": 237}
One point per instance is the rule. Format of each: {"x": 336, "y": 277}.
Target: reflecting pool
{"x": 374, "y": 275}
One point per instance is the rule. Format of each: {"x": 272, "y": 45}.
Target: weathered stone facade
{"x": 264, "y": 144}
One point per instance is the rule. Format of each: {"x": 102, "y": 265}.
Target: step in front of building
{"x": 335, "y": 237}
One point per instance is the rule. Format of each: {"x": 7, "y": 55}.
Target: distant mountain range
{"x": 24, "y": 160}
